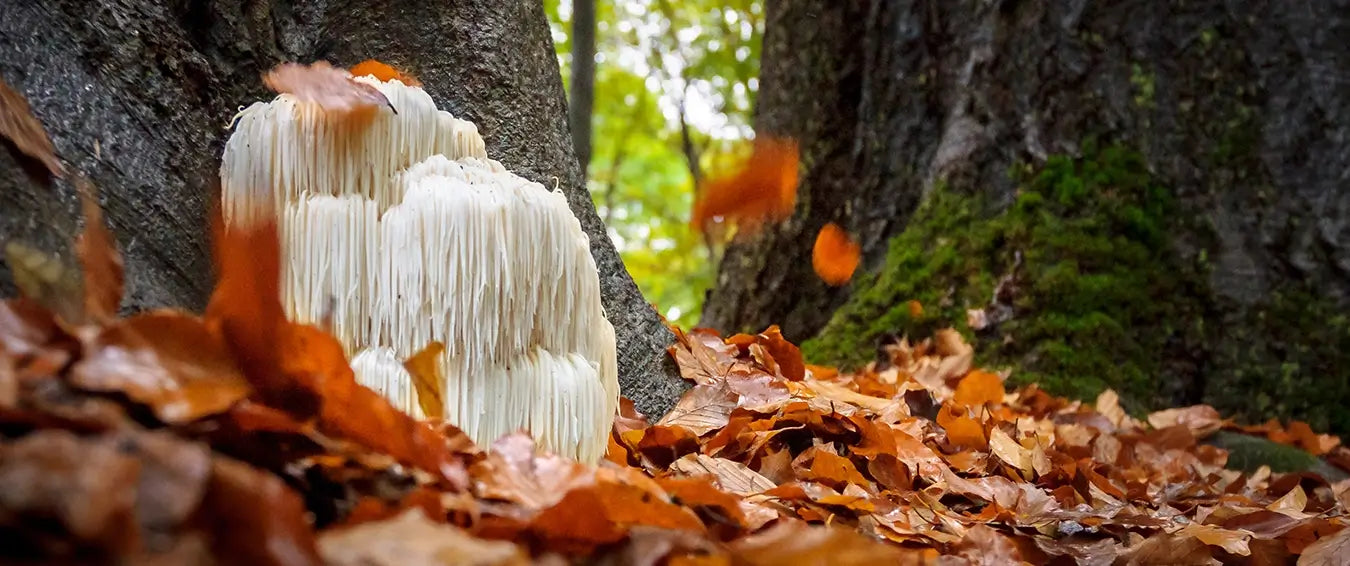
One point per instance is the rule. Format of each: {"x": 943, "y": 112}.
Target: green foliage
{"x": 1098, "y": 299}
{"x": 652, "y": 57}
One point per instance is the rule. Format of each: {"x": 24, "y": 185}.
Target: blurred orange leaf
{"x": 763, "y": 190}
{"x": 383, "y": 72}
{"x": 321, "y": 83}
{"x": 25, "y": 131}
{"x": 835, "y": 255}
{"x": 167, "y": 360}
{"x": 98, "y": 255}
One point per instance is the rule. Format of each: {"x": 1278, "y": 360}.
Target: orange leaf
{"x": 167, "y": 360}
{"x": 961, "y": 430}
{"x": 98, "y": 255}
{"x": 22, "y": 128}
{"x": 835, "y": 255}
{"x": 599, "y": 514}
{"x": 425, "y": 369}
{"x": 383, "y": 72}
{"x": 330, "y": 87}
{"x": 978, "y": 388}
{"x": 788, "y": 356}
{"x": 764, "y": 190}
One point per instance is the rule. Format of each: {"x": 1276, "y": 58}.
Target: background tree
{"x": 674, "y": 89}
{"x": 1147, "y": 196}
{"x": 136, "y": 94}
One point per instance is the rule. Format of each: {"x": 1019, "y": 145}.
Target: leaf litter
{"x": 241, "y": 437}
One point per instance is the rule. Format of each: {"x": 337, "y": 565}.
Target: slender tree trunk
{"x": 583, "y": 80}
{"x": 137, "y": 94}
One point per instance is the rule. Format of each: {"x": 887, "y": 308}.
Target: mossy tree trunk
{"x": 1239, "y": 113}
{"x": 137, "y": 95}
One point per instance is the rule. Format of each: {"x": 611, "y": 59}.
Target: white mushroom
{"x": 401, "y": 231}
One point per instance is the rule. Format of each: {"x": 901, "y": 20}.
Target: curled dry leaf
{"x": 979, "y": 388}
{"x": 22, "y": 128}
{"x": 167, "y": 360}
{"x": 330, "y": 87}
{"x": 835, "y": 255}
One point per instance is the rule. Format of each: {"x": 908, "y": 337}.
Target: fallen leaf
{"x": 383, "y": 72}
{"x": 729, "y": 476}
{"x": 978, "y": 388}
{"x": 256, "y": 518}
{"x": 22, "y": 128}
{"x": 167, "y": 360}
{"x": 411, "y": 539}
{"x": 763, "y": 190}
{"x": 1327, "y": 551}
{"x": 425, "y": 369}
{"x": 602, "y": 513}
{"x": 702, "y": 409}
{"x": 835, "y": 255}
{"x": 786, "y": 354}
{"x": 1200, "y": 419}
{"x": 1231, "y": 541}
{"x": 962, "y": 431}
{"x": 1009, "y": 450}
{"x": 983, "y": 546}
{"x": 101, "y": 263}
{"x": 330, "y": 87}
{"x": 1292, "y": 504}
{"x": 796, "y": 542}
{"x": 514, "y": 471}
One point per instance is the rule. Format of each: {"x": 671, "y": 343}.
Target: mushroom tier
{"x": 400, "y": 231}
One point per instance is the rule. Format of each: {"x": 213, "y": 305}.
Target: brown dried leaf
{"x": 796, "y": 542}
{"x": 983, "y": 546}
{"x": 425, "y": 368}
{"x": 1327, "y": 551}
{"x": 25, "y": 131}
{"x": 167, "y": 360}
{"x": 101, "y": 263}
{"x": 513, "y": 471}
{"x": 730, "y": 476}
{"x": 330, "y": 87}
{"x": 1010, "y": 451}
{"x": 1232, "y": 541}
{"x": 256, "y": 518}
{"x": 702, "y": 409}
{"x": 1200, "y": 419}
{"x": 412, "y": 539}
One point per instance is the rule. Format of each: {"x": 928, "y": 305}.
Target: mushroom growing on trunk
{"x": 399, "y": 231}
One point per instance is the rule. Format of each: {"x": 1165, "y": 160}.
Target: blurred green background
{"x": 675, "y": 84}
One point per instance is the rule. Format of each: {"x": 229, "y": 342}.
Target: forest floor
{"x": 240, "y": 437}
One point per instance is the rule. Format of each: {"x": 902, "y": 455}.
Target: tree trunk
{"x": 1237, "y": 109}
{"x": 137, "y": 94}
{"x": 583, "y": 80}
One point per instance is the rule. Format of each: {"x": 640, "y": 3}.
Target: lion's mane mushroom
{"x": 399, "y": 231}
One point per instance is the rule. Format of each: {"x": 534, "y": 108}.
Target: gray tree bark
{"x": 902, "y": 93}
{"x": 1241, "y": 107}
{"x": 137, "y": 94}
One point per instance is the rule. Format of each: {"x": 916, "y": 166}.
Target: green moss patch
{"x": 1099, "y": 299}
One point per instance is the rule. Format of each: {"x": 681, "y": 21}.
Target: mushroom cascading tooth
{"x": 399, "y": 231}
